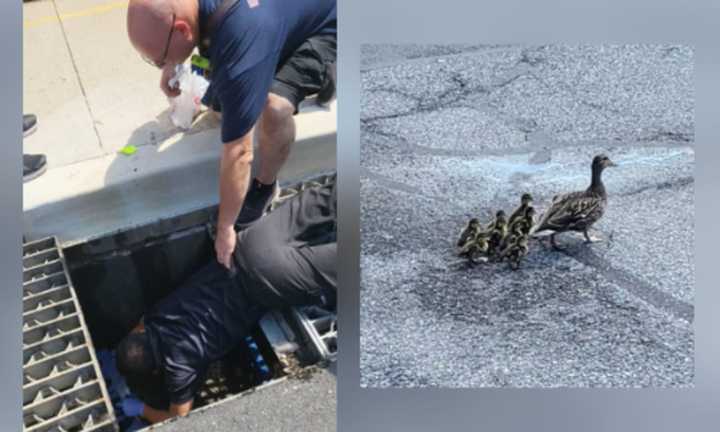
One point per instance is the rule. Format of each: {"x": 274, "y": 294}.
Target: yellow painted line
{"x": 93, "y": 11}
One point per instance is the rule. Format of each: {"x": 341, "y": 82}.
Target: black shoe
{"x": 33, "y": 166}
{"x": 257, "y": 202}
{"x": 29, "y": 124}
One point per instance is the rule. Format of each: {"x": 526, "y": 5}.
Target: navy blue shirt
{"x": 197, "y": 324}
{"x": 247, "y": 46}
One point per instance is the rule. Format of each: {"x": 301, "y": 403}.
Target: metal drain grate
{"x": 63, "y": 389}
{"x": 320, "y": 325}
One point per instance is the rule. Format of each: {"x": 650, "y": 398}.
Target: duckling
{"x": 527, "y": 221}
{"x": 497, "y": 232}
{"x": 523, "y": 223}
{"x": 509, "y": 239}
{"x": 577, "y": 211}
{"x": 525, "y": 203}
{"x": 499, "y": 217}
{"x": 475, "y": 248}
{"x": 468, "y": 232}
{"x": 520, "y": 227}
{"x": 516, "y": 251}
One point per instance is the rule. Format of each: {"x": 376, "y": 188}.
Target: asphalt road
{"x": 459, "y": 131}
{"x": 296, "y": 404}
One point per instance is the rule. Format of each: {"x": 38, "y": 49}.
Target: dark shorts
{"x": 308, "y": 71}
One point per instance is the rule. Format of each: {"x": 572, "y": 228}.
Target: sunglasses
{"x": 160, "y": 64}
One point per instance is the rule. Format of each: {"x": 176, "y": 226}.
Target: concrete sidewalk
{"x": 93, "y": 95}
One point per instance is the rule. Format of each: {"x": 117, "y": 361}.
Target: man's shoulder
{"x": 240, "y": 20}
{"x": 243, "y": 40}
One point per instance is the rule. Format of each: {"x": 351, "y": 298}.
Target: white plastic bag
{"x": 184, "y": 107}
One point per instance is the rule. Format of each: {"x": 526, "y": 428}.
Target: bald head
{"x": 149, "y": 23}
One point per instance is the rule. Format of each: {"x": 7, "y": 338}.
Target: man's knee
{"x": 278, "y": 112}
{"x": 254, "y": 252}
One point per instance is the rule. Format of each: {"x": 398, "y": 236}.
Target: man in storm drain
{"x": 287, "y": 258}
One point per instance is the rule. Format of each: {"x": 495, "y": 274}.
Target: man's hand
{"x": 168, "y": 71}
{"x": 225, "y": 245}
{"x": 156, "y": 416}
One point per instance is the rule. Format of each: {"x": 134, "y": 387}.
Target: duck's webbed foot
{"x": 478, "y": 258}
{"x": 591, "y": 239}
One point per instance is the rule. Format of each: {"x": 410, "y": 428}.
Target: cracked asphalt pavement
{"x": 452, "y": 132}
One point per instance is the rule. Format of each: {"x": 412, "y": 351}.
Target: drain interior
{"x": 118, "y": 278}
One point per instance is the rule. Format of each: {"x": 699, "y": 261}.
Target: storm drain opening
{"x": 119, "y": 277}
{"x": 63, "y": 389}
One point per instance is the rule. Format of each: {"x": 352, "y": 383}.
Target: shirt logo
{"x": 253, "y": 3}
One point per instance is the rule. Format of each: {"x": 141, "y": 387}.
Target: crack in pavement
{"x": 423, "y": 58}
{"x": 460, "y": 88}
{"x": 524, "y": 67}
{"x": 664, "y": 135}
{"x": 431, "y": 103}
{"x": 77, "y": 74}
{"x": 634, "y": 285}
{"x": 567, "y": 88}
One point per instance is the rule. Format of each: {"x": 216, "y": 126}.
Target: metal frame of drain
{"x": 320, "y": 327}
{"x": 63, "y": 387}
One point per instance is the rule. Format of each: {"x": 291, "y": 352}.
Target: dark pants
{"x": 289, "y": 256}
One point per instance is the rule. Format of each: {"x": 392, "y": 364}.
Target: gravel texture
{"x": 460, "y": 131}
{"x": 306, "y": 404}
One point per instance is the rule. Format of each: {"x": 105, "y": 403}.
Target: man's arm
{"x": 235, "y": 165}
{"x": 156, "y": 416}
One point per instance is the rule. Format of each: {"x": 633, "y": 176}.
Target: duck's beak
{"x": 611, "y": 163}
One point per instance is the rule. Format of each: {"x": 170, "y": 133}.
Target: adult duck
{"x": 577, "y": 211}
